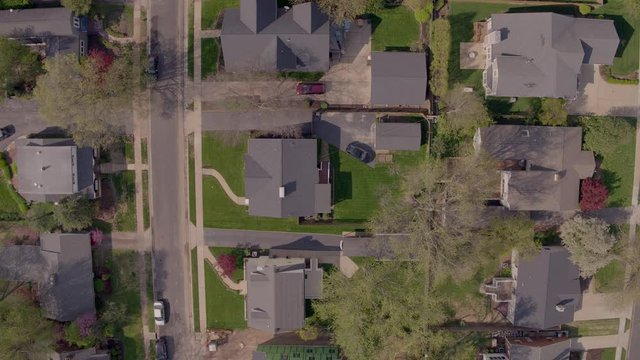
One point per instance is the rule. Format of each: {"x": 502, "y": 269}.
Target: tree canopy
{"x": 341, "y": 10}
{"x": 590, "y": 242}
{"x": 464, "y": 112}
{"x": 440, "y": 49}
{"x": 552, "y": 112}
{"x": 79, "y": 7}
{"x": 25, "y": 333}
{"x": 90, "y": 98}
{"x": 70, "y": 214}
{"x": 19, "y": 67}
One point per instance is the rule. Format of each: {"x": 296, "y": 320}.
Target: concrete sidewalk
{"x": 235, "y": 198}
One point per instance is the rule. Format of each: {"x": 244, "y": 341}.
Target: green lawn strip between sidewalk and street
{"x": 190, "y": 42}
{"x": 192, "y": 179}
{"x": 194, "y": 289}
{"x": 225, "y": 307}
{"x": 150, "y": 296}
{"x": 238, "y": 274}
{"x": 394, "y": 27}
{"x": 125, "y": 185}
{"x": 592, "y": 327}
{"x": 145, "y": 199}
{"x": 145, "y": 150}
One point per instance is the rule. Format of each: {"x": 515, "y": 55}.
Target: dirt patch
{"x": 241, "y": 344}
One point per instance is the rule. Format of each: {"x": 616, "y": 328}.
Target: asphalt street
{"x": 167, "y": 178}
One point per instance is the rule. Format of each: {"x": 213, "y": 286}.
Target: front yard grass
{"x": 225, "y": 307}
{"x": 194, "y": 289}
{"x": 227, "y": 159}
{"x": 210, "y": 51}
{"x": 117, "y": 19}
{"x": 610, "y": 278}
{"x": 211, "y": 9}
{"x": 626, "y": 61}
{"x": 125, "y": 185}
{"x": 394, "y": 27}
{"x": 592, "y": 327}
{"x": 126, "y": 290}
{"x": 238, "y": 274}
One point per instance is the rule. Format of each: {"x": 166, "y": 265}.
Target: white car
{"x": 158, "y": 313}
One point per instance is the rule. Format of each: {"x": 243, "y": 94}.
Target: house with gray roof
{"x": 276, "y": 292}
{"x": 54, "y": 30}
{"x": 398, "y": 78}
{"x": 63, "y": 269}
{"x": 541, "y": 54}
{"x": 282, "y": 178}
{"x": 261, "y": 37}
{"x": 540, "y": 166}
{"x": 83, "y": 354}
{"x": 53, "y": 169}
{"x": 398, "y": 136}
{"x": 543, "y": 292}
{"x": 538, "y": 348}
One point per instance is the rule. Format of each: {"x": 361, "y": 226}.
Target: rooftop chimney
{"x": 281, "y": 192}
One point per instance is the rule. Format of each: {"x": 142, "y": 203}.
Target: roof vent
{"x": 52, "y": 279}
{"x": 556, "y": 176}
{"x": 39, "y": 152}
{"x": 281, "y": 192}
{"x": 560, "y": 308}
{"x": 286, "y": 8}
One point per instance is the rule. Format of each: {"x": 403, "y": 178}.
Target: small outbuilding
{"x": 398, "y": 136}
{"x": 398, "y": 78}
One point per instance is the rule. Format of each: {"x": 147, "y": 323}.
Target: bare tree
{"x": 590, "y": 242}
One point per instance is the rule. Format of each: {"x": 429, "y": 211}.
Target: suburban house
{"x": 540, "y": 166}
{"x": 541, "y": 293}
{"x": 261, "y": 37}
{"x": 398, "y": 78}
{"x": 63, "y": 269}
{"x": 52, "y": 169}
{"x": 542, "y": 348}
{"x": 278, "y": 352}
{"x": 83, "y": 354}
{"x": 398, "y": 136}
{"x": 282, "y": 178}
{"x": 52, "y": 31}
{"x": 277, "y": 289}
{"x": 541, "y": 54}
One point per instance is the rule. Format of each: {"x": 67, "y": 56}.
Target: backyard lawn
{"x": 592, "y": 327}
{"x": 125, "y": 185}
{"x": 211, "y": 10}
{"x": 610, "y": 278}
{"x": 394, "y": 28}
{"x": 210, "y": 52}
{"x": 228, "y": 160}
{"x": 225, "y": 308}
{"x": 626, "y": 61}
{"x": 238, "y": 274}
{"x": 194, "y": 289}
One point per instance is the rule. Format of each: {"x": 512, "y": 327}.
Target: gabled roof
{"x": 540, "y": 349}
{"x": 398, "y": 78}
{"x": 62, "y": 267}
{"x": 540, "y": 54}
{"x": 282, "y": 180}
{"x": 548, "y": 290}
{"x": 398, "y": 136}
{"x": 554, "y": 160}
{"x": 51, "y": 169}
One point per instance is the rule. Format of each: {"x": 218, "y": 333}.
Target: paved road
{"x": 167, "y": 178}
{"x": 269, "y": 239}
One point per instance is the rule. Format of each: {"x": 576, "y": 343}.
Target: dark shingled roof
{"x": 555, "y": 159}
{"x": 398, "y": 78}
{"x": 281, "y": 178}
{"x": 52, "y": 169}
{"x": 540, "y": 54}
{"x": 544, "y": 282}
{"x": 260, "y": 37}
{"x": 54, "y": 25}
{"x": 538, "y": 350}
{"x": 62, "y": 267}
{"x": 398, "y": 136}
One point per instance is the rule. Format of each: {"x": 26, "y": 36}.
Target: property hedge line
{"x": 6, "y": 174}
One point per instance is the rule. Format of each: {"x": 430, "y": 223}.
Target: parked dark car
{"x": 310, "y": 88}
{"x": 152, "y": 68}
{"x": 162, "y": 353}
{"x": 7, "y": 131}
{"x": 360, "y": 151}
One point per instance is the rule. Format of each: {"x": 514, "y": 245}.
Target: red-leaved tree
{"x": 593, "y": 195}
{"x": 102, "y": 58}
{"x": 228, "y": 263}
{"x": 96, "y": 236}
{"x": 86, "y": 324}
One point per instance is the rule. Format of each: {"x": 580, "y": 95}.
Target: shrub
{"x": 228, "y": 263}
{"x": 584, "y": 9}
{"x": 81, "y": 335}
{"x": 593, "y": 195}
{"x": 552, "y": 112}
{"x": 14, "y": 4}
{"x": 96, "y": 236}
{"x": 440, "y": 49}
{"x": 308, "y": 333}
{"x": 98, "y": 284}
{"x": 605, "y": 73}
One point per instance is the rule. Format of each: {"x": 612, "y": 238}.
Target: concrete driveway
{"x": 257, "y": 119}
{"x": 598, "y": 97}
{"x": 348, "y": 81}
{"x": 341, "y": 128}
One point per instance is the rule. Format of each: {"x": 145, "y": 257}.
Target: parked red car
{"x": 309, "y": 88}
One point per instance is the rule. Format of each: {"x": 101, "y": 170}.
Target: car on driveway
{"x": 162, "y": 353}
{"x": 7, "y": 131}
{"x": 310, "y": 88}
{"x": 159, "y": 314}
{"x": 360, "y": 151}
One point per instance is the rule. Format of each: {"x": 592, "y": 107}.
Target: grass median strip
{"x": 195, "y": 293}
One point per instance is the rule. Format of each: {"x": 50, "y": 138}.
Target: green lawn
{"x": 192, "y": 180}
{"x": 126, "y": 290}
{"x": 237, "y": 275}
{"x": 150, "y": 296}
{"x": 194, "y": 289}
{"x": 616, "y": 150}
{"x": 225, "y": 308}
{"x": 592, "y": 327}
{"x": 190, "y": 40}
{"x": 127, "y": 149}
{"x": 145, "y": 151}
{"x": 626, "y": 60}
{"x": 125, "y": 185}
{"x": 8, "y": 203}
{"x": 228, "y": 160}
{"x": 117, "y": 18}
{"x": 212, "y": 8}
{"x": 394, "y": 28}
{"x": 145, "y": 199}
{"x": 610, "y": 278}
{"x": 210, "y": 51}
{"x": 608, "y": 354}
